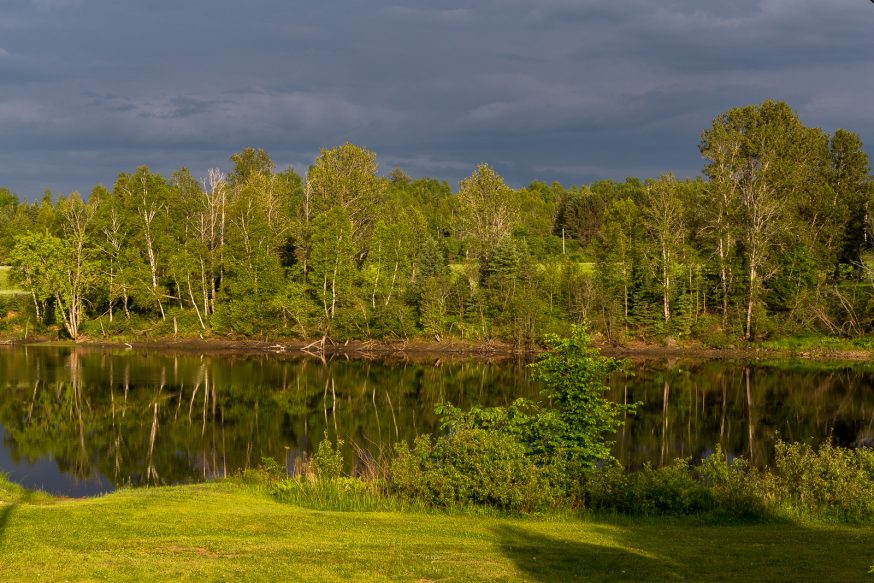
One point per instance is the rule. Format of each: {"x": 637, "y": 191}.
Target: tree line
{"x": 775, "y": 239}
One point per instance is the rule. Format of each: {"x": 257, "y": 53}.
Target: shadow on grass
{"x": 670, "y": 550}
{"x": 7, "y": 510}
{"x": 5, "y": 513}
{"x": 542, "y": 558}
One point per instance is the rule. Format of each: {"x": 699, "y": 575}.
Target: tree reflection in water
{"x": 138, "y": 418}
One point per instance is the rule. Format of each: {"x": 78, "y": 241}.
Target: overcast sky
{"x": 541, "y": 89}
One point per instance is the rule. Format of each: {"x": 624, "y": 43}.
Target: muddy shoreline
{"x": 425, "y": 349}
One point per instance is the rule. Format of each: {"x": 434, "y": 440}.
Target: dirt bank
{"x": 432, "y": 349}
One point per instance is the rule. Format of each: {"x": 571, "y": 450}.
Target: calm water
{"x": 82, "y": 421}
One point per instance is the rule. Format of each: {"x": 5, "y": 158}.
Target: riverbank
{"x": 230, "y": 531}
{"x": 424, "y": 349}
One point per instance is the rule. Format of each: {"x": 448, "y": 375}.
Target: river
{"x": 79, "y": 421}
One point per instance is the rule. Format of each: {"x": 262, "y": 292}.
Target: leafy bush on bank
{"x": 471, "y": 466}
{"x": 530, "y": 457}
{"x": 479, "y": 469}
{"x": 524, "y": 457}
{"x": 824, "y": 483}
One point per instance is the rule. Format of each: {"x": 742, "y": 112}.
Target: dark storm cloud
{"x": 553, "y": 89}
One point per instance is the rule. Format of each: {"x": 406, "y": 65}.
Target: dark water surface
{"x": 79, "y": 421}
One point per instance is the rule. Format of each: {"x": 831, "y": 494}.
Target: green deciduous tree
{"x": 60, "y": 268}
{"x": 345, "y": 177}
{"x": 332, "y": 262}
{"x": 487, "y": 210}
{"x": 617, "y": 253}
{"x": 663, "y": 216}
{"x": 761, "y": 162}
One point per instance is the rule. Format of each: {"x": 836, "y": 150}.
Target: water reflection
{"x": 133, "y": 418}
{"x": 105, "y": 418}
{"x": 689, "y": 407}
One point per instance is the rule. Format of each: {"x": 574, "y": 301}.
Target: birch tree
{"x": 761, "y": 159}
{"x": 663, "y": 217}
{"x": 331, "y": 261}
{"x": 346, "y": 177}
{"x": 487, "y": 210}
{"x": 60, "y": 268}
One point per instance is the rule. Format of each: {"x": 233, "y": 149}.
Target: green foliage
{"x": 670, "y": 490}
{"x": 332, "y": 269}
{"x": 523, "y": 456}
{"x": 336, "y": 495}
{"x": 487, "y": 212}
{"x": 327, "y": 462}
{"x": 470, "y": 466}
{"x": 432, "y": 307}
{"x": 299, "y": 310}
{"x": 345, "y": 178}
{"x": 271, "y": 467}
{"x": 575, "y": 426}
{"x": 574, "y": 376}
{"x": 825, "y": 483}
{"x": 709, "y": 330}
{"x": 775, "y": 242}
{"x": 733, "y": 486}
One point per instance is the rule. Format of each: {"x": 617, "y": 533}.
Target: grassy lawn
{"x": 6, "y": 288}
{"x": 229, "y": 532}
{"x": 457, "y": 269}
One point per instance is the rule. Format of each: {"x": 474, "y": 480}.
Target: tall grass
{"x": 339, "y": 494}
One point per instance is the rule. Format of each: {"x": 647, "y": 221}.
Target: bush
{"x": 709, "y": 330}
{"x": 470, "y": 466}
{"x": 525, "y": 456}
{"x": 581, "y": 419}
{"x": 734, "y": 486}
{"x": 327, "y": 462}
{"x": 829, "y": 482}
{"x": 671, "y": 490}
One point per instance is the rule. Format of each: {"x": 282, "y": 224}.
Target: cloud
{"x": 454, "y": 15}
{"x": 562, "y": 89}
{"x": 55, "y": 4}
{"x": 425, "y": 163}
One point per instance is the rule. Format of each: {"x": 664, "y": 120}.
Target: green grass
{"x": 228, "y": 531}
{"x": 6, "y": 288}
{"x": 815, "y": 342}
{"x": 588, "y": 268}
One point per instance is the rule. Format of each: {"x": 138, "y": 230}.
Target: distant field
{"x": 588, "y": 268}
{"x": 7, "y": 288}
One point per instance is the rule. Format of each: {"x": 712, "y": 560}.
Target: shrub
{"x": 574, "y": 376}
{"x": 271, "y": 468}
{"x": 671, "y": 490}
{"x": 829, "y": 482}
{"x": 470, "y": 466}
{"x": 524, "y": 456}
{"x": 709, "y": 330}
{"x": 734, "y": 486}
{"x": 327, "y": 462}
